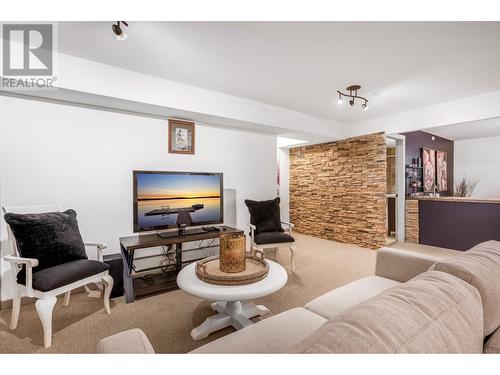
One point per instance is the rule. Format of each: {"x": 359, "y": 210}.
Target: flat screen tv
{"x": 165, "y": 200}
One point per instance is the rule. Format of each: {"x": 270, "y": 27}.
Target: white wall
{"x": 472, "y": 108}
{"x": 111, "y": 81}
{"x": 479, "y": 159}
{"x": 284, "y": 165}
{"x": 83, "y": 159}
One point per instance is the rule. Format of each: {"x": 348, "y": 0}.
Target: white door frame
{"x": 400, "y": 185}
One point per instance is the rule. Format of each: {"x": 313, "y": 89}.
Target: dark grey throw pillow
{"x": 53, "y": 237}
{"x": 265, "y": 215}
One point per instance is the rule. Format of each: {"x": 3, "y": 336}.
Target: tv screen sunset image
{"x": 169, "y": 199}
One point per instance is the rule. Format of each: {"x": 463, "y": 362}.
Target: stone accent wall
{"x": 411, "y": 231}
{"x": 338, "y": 190}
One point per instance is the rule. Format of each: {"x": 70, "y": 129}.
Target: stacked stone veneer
{"x": 338, "y": 190}
{"x": 412, "y": 221}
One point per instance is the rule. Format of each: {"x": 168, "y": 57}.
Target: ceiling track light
{"x": 353, "y": 95}
{"x": 118, "y": 31}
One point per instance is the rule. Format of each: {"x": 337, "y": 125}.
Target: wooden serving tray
{"x": 208, "y": 270}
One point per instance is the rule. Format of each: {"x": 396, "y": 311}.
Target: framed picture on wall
{"x": 429, "y": 166}
{"x": 442, "y": 170}
{"x": 180, "y": 137}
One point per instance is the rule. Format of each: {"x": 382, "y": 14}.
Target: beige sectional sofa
{"x": 432, "y": 313}
{"x": 282, "y": 332}
{"x": 413, "y": 304}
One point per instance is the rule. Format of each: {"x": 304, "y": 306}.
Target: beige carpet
{"x": 168, "y": 318}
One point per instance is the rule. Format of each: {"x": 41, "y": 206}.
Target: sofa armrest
{"x": 402, "y": 265}
{"x": 133, "y": 341}
{"x": 492, "y": 346}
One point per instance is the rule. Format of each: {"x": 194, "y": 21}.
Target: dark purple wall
{"x": 458, "y": 225}
{"x": 416, "y": 140}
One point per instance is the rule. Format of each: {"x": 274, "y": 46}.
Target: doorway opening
{"x": 395, "y": 193}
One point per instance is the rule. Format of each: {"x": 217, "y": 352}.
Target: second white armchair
{"x": 267, "y": 230}
{"x": 275, "y": 240}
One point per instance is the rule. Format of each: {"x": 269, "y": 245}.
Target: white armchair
{"x": 274, "y": 240}
{"x": 46, "y": 299}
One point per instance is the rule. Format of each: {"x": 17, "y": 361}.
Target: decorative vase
{"x": 232, "y": 253}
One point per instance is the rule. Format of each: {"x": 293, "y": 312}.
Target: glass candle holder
{"x": 232, "y": 253}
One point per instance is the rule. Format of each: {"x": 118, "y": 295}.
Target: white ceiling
{"x": 300, "y": 65}
{"x": 468, "y": 130}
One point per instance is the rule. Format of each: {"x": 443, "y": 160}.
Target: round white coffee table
{"x": 231, "y": 306}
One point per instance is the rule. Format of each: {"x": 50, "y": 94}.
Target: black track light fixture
{"x": 353, "y": 95}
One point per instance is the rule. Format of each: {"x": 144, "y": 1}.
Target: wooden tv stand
{"x": 130, "y": 244}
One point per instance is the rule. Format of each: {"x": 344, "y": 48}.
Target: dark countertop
{"x": 460, "y": 199}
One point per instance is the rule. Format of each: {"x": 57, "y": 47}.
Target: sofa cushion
{"x": 63, "y": 274}
{"x": 133, "y": 341}
{"x": 340, "y": 299}
{"x": 272, "y": 237}
{"x": 433, "y": 313}
{"x": 53, "y": 237}
{"x": 275, "y": 334}
{"x": 265, "y": 215}
{"x": 492, "y": 345}
{"x": 480, "y": 267}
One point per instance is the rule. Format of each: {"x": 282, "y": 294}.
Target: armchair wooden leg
{"x": 67, "y": 296}
{"x": 44, "y": 309}
{"x": 16, "y": 308}
{"x": 292, "y": 250}
{"x": 108, "y": 286}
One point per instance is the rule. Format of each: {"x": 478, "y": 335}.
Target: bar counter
{"x": 461, "y": 199}
{"x": 452, "y": 222}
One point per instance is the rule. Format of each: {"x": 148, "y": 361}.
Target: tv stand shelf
{"x": 129, "y": 245}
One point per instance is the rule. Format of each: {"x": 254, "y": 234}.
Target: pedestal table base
{"x": 236, "y": 314}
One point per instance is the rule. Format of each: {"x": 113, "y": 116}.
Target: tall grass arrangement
{"x": 464, "y": 187}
